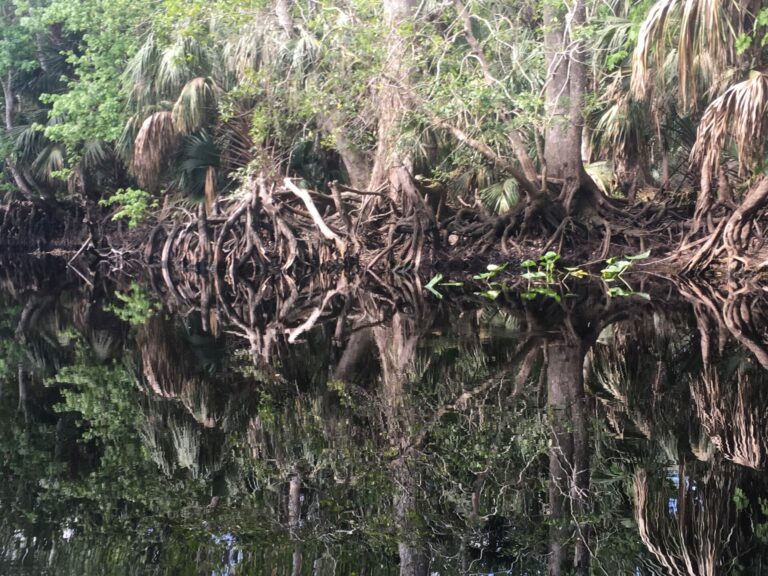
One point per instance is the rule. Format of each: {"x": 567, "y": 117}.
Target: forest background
{"x": 405, "y": 126}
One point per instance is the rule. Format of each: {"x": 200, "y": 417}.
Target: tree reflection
{"x": 343, "y": 426}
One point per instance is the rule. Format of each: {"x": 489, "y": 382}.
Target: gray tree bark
{"x": 397, "y": 348}
{"x": 564, "y": 97}
{"x": 568, "y": 457}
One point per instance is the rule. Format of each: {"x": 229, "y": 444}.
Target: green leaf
{"x": 743, "y": 42}
{"x": 615, "y": 270}
{"x": 541, "y": 291}
{"x": 434, "y": 292}
{"x": 576, "y": 272}
{"x": 490, "y": 294}
{"x": 641, "y": 256}
{"x": 493, "y": 270}
{"x": 434, "y": 281}
{"x": 618, "y": 291}
{"x": 534, "y": 275}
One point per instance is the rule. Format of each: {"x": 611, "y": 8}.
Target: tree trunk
{"x": 359, "y": 347}
{"x": 393, "y": 168}
{"x": 294, "y": 521}
{"x": 356, "y": 162}
{"x": 397, "y": 348}
{"x": 283, "y": 13}
{"x": 569, "y": 455}
{"x": 564, "y": 98}
{"x": 391, "y": 102}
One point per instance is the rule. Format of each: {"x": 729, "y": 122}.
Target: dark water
{"x": 332, "y": 425}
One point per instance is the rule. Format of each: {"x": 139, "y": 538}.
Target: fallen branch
{"x": 318, "y": 220}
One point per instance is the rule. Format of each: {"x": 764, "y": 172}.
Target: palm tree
{"x": 716, "y": 72}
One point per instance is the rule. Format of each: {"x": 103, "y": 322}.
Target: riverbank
{"x": 278, "y": 227}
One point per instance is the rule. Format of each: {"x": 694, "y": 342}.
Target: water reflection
{"x": 199, "y": 425}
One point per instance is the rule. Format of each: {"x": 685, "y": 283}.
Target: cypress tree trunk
{"x": 569, "y": 453}
{"x": 564, "y": 99}
{"x": 393, "y": 167}
{"x": 391, "y": 103}
{"x": 397, "y": 349}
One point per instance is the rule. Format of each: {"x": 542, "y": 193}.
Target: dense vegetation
{"x": 482, "y": 125}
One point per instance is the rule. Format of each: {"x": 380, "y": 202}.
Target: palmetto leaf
{"x": 140, "y": 73}
{"x": 738, "y": 114}
{"x": 96, "y": 153}
{"x": 28, "y": 140}
{"x": 306, "y": 51}
{"x": 602, "y": 174}
{"x": 501, "y": 197}
{"x": 706, "y": 30}
{"x": 50, "y": 159}
{"x": 200, "y": 152}
{"x": 179, "y": 63}
{"x": 199, "y": 164}
{"x": 155, "y": 143}
{"x": 195, "y": 106}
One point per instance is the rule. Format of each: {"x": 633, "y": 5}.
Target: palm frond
{"x": 155, "y": 143}
{"x": 739, "y": 114}
{"x": 501, "y": 197}
{"x": 50, "y": 159}
{"x": 174, "y": 69}
{"x": 140, "y": 73}
{"x": 705, "y": 46}
{"x": 199, "y": 164}
{"x": 195, "y": 106}
{"x": 96, "y": 153}
{"x": 186, "y": 442}
{"x": 652, "y": 32}
{"x": 234, "y": 140}
{"x": 602, "y": 175}
{"x": 200, "y": 152}
{"x": 28, "y": 140}
{"x": 306, "y": 51}
{"x": 245, "y": 52}
{"x": 125, "y": 143}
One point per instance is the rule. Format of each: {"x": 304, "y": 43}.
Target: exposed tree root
{"x": 288, "y": 228}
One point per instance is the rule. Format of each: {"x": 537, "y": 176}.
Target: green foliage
{"x": 740, "y": 499}
{"x": 93, "y": 104}
{"x": 17, "y": 40}
{"x": 493, "y": 270}
{"x": 615, "y": 267}
{"x": 137, "y": 306}
{"x": 543, "y": 269}
{"x": 437, "y": 280}
{"x": 501, "y": 197}
{"x": 494, "y": 289}
{"x": 758, "y": 34}
{"x": 135, "y": 205}
{"x": 103, "y": 396}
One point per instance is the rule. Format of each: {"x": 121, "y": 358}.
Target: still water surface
{"x": 336, "y": 426}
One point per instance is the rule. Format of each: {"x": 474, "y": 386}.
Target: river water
{"x": 343, "y": 425}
